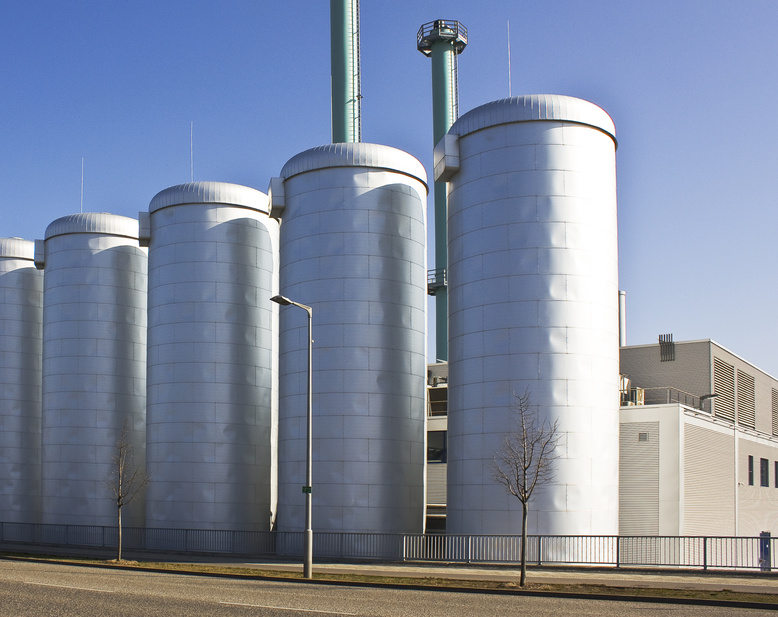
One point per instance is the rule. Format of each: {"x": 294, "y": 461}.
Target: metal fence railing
{"x": 646, "y": 551}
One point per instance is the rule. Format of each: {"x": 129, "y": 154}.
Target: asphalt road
{"x": 41, "y": 590}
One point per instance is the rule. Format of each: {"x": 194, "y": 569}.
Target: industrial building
{"x": 698, "y": 442}
{"x": 166, "y": 324}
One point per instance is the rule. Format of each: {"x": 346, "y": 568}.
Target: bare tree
{"x": 524, "y": 460}
{"x": 127, "y": 479}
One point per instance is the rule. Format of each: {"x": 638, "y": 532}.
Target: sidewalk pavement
{"x": 712, "y": 580}
{"x": 746, "y": 582}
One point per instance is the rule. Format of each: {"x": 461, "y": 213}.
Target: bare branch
{"x": 127, "y": 479}
{"x": 525, "y": 459}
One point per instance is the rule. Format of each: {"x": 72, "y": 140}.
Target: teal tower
{"x": 442, "y": 40}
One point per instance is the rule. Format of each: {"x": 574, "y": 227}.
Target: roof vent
{"x": 666, "y": 348}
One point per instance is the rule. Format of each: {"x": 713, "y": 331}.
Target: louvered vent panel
{"x": 775, "y": 417}
{"x": 724, "y": 386}
{"x": 639, "y": 478}
{"x": 436, "y": 484}
{"x": 746, "y": 402}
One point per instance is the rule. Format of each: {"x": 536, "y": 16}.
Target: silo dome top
{"x": 17, "y": 248}
{"x": 210, "y": 193}
{"x": 94, "y": 223}
{"x": 535, "y": 107}
{"x": 355, "y": 155}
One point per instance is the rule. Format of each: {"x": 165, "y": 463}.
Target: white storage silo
{"x": 353, "y": 236}
{"x": 21, "y": 314}
{"x": 211, "y": 411}
{"x": 533, "y": 289}
{"x": 94, "y": 363}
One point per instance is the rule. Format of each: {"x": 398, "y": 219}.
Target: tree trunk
{"x": 523, "y": 578}
{"x": 119, "y": 550}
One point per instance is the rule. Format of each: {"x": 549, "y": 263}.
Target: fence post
{"x": 764, "y": 551}
{"x": 705, "y": 553}
{"x": 540, "y": 550}
{"x": 618, "y": 551}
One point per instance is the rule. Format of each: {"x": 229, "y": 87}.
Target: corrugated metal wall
{"x": 757, "y": 504}
{"x": 639, "y": 478}
{"x": 436, "y": 483}
{"x": 689, "y": 372}
{"x": 708, "y": 482}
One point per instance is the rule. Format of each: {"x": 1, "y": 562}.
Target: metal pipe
{"x": 345, "y": 71}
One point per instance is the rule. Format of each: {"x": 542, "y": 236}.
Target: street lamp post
{"x": 307, "y": 489}
{"x": 705, "y": 397}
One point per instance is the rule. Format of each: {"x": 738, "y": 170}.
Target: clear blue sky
{"x": 691, "y": 86}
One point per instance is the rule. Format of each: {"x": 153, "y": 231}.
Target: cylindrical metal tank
{"x": 94, "y": 364}
{"x": 533, "y": 288}
{"x": 212, "y": 404}
{"x": 353, "y": 237}
{"x": 21, "y": 314}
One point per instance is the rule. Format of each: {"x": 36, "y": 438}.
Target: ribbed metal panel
{"x": 21, "y": 313}
{"x": 533, "y": 304}
{"x": 436, "y": 483}
{"x": 746, "y": 402}
{"x": 16, "y": 248}
{"x": 689, "y": 372}
{"x": 212, "y": 371}
{"x": 222, "y": 193}
{"x": 94, "y": 223}
{"x": 708, "y": 483}
{"x": 351, "y": 155}
{"x": 724, "y": 387}
{"x": 534, "y": 107}
{"x": 353, "y": 248}
{"x": 94, "y": 364}
{"x": 774, "y": 409}
{"x": 639, "y": 478}
{"x": 756, "y": 503}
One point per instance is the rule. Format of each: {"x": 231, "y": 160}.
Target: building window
{"x": 750, "y": 471}
{"x": 764, "y": 472}
{"x": 436, "y": 447}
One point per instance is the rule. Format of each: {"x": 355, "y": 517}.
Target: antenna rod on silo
{"x": 442, "y": 40}
{"x": 191, "y": 151}
{"x": 509, "y": 59}
{"x": 345, "y": 71}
